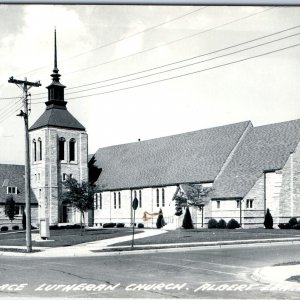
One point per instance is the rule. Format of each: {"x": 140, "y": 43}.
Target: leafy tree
{"x": 10, "y": 208}
{"x": 79, "y": 195}
{"x": 191, "y": 195}
{"x": 187, "y": 222}
{"x": 268, "y": 220}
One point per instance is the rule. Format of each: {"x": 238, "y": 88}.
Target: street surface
{"x": 219, "y": 273}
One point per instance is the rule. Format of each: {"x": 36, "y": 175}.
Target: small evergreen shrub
{"x": 140, "y": 225}
{"x": 293, "y": 222}
{"x": 119, "y": 225}
{"x": 109, "y": 225}
{"x": 212, "y": 223}
{"x": 268, "y": 223}
{"x": 15, "y": 227}
{"x": 222, "y": 224}
{"x": 4, "y": 228}
{"x": 284, "y": 225}
{"x": 233, "y": 224}
{"x": 187, "y": 222}
{"x": 297, "y": 226}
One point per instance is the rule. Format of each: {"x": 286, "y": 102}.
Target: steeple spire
{"x": 55, "y": 89}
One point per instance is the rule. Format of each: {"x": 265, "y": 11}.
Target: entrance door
{"x": 67, "y": 214}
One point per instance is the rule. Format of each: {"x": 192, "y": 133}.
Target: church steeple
{"x": 55, "y": 89}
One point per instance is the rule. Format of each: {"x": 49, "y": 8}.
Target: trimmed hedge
{"x": 15, "y": 227}
{"x": 284, "y": 225}
{"x": 212, "y": 223}
{"x": 119, "y": 225}
{"x": 233, "y": 224}
{"x": 293, "y": 222}
{"x": 140, "y": 225}
{"x": 56, "y": 227}
{"x": 222, "y": 224}
{"x": 109, "y": 225}
{"x": 4, "y": 228}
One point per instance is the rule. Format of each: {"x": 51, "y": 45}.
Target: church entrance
{"x": 67, "y": 214}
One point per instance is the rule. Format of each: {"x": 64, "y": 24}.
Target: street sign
{"x": 135, "y": 203}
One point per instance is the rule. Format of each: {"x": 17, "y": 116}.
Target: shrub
{"x": 297, "y": 226}
{"x": 233, "y": 224}
{"x": 293, "y": 222}
{"x": 109, "y": 225}
{"x": 53, "y": 227}
{"x": 268, "y": 220}
{"x": 212, "y": 223}
{"x": 222, "y": 224}
{"x": 187, "y": 222}
{"x": 4, "y": 228}
{"x": 140, "y": 225}
{"x": 119, "y": 225}
{"x": 15, "y": 227}
{"x": 284, "y": 225}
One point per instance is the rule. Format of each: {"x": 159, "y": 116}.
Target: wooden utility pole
{"x": 25, "y": 86}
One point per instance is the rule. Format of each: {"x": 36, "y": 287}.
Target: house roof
{"x": 57, "y": 116}
{"x": 196, "y": 156}
{"x": 264, "y": 148}
{"x": 13, "y": 176}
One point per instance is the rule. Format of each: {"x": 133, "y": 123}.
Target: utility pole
{"x": 25, "y": 86}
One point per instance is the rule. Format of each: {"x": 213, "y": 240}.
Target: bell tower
{"x": 59, "y": 148}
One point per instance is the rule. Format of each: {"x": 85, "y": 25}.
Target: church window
{"x": 96, "y": 201}
{"x": 157, "y": 197}
{"x": 12, "y": 190}
{"x": 72, "y": 150}
{"x": 163, "y": 197}
{"x": 115, "y": 200}
{"x": 119, "y": 198}
{"x": 34, "y": 150}
{"x": 100, "y": 201}
{"x": 238, "y": 204}
{"x": 140, "y": 196}
{"x": 61, "y": 148}
{"x": 249, "y": 203}
{"x": 218, "y": 204}
{"x": 64, "y": 176}
{"x": 40, "y": 149}
{"x": 135, "y": 195}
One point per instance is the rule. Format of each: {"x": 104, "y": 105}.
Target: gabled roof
{"x": 191, "y": 157}
{"x": 264, "y": 148}
{"x": 57, "y": 116}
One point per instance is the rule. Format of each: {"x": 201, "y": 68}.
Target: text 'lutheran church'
{"x": 248, "y": 169}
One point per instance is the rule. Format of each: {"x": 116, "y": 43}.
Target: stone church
{"x": 247, "y": 168}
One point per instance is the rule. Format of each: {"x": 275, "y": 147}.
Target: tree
{"x": 191, "y": 195}
{"x": 187, "y": 222}
{"x": 80, "y": 196}
{"x": 10, "y": 208}
{"x": 268, "y": 220}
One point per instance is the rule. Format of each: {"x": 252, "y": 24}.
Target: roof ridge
{"x": 277, "y": 123}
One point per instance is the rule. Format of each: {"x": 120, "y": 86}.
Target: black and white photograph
{"x": 149, "y": 151}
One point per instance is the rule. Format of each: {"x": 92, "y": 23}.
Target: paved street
{"x": 218, "y": 273}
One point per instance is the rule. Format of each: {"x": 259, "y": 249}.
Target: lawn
{"x": 64, "y": 237}
{"x": 213, "y": 235}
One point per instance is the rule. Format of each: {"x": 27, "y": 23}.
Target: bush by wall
{"x": 109, "y": 225}
{"x": 222, "y": 224}
{"x": 233, "y": 224}
{"x": 15, "y": 227}
{"x": 4, "y": 228}
{"x": 284, "y": 225}
{"x": 212, "y": 223}
{"x": 293, "y": 222}
{"x": 140, "y": 225}
{"x": 119, "y": 225}
{"x": 268, "y": 223}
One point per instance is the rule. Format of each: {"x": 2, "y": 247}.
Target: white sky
{"x": 264, "y": 90}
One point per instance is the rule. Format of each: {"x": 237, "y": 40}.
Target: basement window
{"x": 218, "y": 204}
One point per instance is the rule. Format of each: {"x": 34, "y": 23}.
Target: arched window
{"x": 72, "y": 150}
{"x": 34, "y": 150}
{"x": 40, "y": 149}
{"x": 157, "y": 197}
{"x": 140, "y": 196}
{"x": 163, "y": 197}
{"x": 61, "y": 148}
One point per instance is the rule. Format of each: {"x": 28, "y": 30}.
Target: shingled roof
{"x": 191, "y": 157}
{"x": 57, "y": 116}
{"x": 264, "y": 148}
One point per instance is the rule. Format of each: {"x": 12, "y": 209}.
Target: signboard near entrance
{"x": 44, "y": 229}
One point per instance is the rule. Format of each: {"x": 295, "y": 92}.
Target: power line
{"x": 9, "y": 113}
{"x": 9, "y": 106}
{"x": 183, "y": 75}
{"x": 176, "y": 62}
{"x": 184, "y": 66}
{"x": 125, "y": 38}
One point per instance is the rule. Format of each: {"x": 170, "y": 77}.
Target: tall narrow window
{"x": 115, "y": 200}
{"x": 72, "y": 149}
{"x": 100, "y": 201}
{"x": 140, "y": 196}
{"x": 34, "y": 150}
{"x": 119, "y": 198}
{"x": 40, "y": 149}
{"x": 163, "y": 197}
{"x": 96, "y": 201}
{"x": 237, "y": 203}
{"x": 134, "y": 195}
{"x": 157, "y": 197}
{"x": 61, "y": 148}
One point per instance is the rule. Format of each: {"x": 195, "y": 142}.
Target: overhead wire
{"x": 183, "y": 75}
